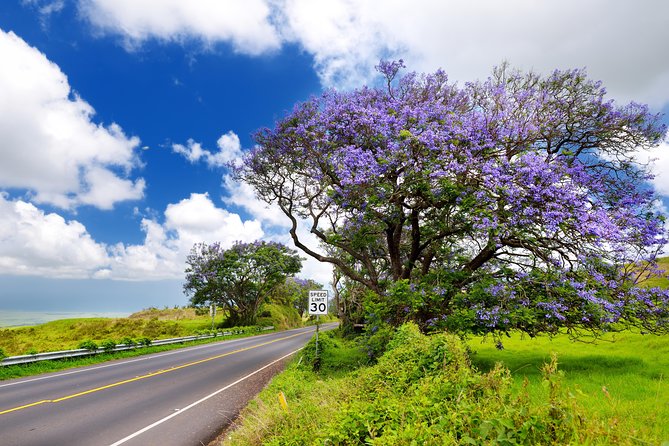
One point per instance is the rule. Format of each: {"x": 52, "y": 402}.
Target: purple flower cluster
{"x": 428, "y": 181}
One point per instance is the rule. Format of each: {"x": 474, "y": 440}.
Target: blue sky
{"x": 117, "y": 116}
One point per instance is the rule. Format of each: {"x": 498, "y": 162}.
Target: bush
{"x": 426, "y": 392}
{"x": 128, "y": 342}
{"x": 108, "y": 345}
{"x": 88, "y": 344}
{"x": 2, "y": 354}
{"x": 144, "y": 341}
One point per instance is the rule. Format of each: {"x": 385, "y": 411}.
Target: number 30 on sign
{"x": 318, "y": 302}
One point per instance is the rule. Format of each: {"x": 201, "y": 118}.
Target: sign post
{"x": 318, "y": 304}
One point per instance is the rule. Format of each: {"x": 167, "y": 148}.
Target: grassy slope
{"x": 624, "y": 378}
{"x": 67, "y": 333}
{"x": 662, "y": 282}
{"x": 151, "y": 323}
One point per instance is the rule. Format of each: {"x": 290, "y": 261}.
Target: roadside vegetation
{"x": 152, "y": 323}
{"x": 37, "y": 368}
{"x": 426, "y": 390}
{"x": 139, "y": 329}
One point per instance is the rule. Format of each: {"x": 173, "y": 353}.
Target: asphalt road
{"x": 180, "y": 397}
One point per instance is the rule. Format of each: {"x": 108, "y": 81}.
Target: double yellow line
{"x": 148, "y": 375}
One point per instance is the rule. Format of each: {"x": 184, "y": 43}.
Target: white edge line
{"x": 190, "y": 406}
{"x": 142, "y": 358}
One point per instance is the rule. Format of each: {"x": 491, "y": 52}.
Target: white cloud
{"x": 192, "y": 151}
{"x": 245, "y": 24}
{"x": 620, "y": 42}
{"x": 192, "y": 220}
{"x": 230, "y": 151}
{"x": 46, "y": 7}
{"x": 50, "y": 146}
{"x": 242, "y": 195}
{"x": 36, "y": 243}
{"x": 33, "y": 242}
{"x": 658, "y": 160}
{"x": 198, "y": 219}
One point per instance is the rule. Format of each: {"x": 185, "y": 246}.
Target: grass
{"x": 423, "y": 392}
{"x": 624, "y": 378}
{"x": 662, "y": 282}
{"x": 311, "y": 397}
{"x": 66, "y": 334}
{"x": 152, "y": 323}
{"x": 36, "y": 368}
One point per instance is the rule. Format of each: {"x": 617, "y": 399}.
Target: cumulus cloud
{"x": 229, "y": 151}
{"x": 33, "y": 242}
{"x": 50, "y": 145}
{"x": 246, "y": 24}
{"x": 658, "y": 160}
{"x": 163, "y": 254}
{"x": 619, "y": 42}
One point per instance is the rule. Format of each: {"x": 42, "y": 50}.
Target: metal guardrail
{"x": 26, "y": 359}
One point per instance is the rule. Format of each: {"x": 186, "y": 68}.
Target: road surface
{"x": 180, "y": 397}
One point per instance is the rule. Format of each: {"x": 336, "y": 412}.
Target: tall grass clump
{"x": 422, "y": 391}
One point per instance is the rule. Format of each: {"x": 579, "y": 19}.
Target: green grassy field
{"x": 66, "y": 334}
{"x": 661, "y": 282}
{"x": 624, "y": 378}
{"x": 151, "y": 323}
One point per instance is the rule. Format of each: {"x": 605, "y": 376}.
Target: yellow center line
{"x": 148, "y": 375}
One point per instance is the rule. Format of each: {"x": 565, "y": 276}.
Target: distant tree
{"x": 294, "y": 292}
{"x": 511, "y": 203}
{"x": 239, "y": 278}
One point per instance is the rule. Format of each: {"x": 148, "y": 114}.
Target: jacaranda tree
{"x": 239, "y": 278}
{"x": 510, "y": 203}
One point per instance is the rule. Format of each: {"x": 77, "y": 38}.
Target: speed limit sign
{"x": 318, "y": 302}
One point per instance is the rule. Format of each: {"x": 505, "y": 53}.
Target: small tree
{"x": 239, "y": 278}
{"x": 512, "y": 203}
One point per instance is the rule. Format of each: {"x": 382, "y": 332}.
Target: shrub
{"x": 88, "y": 344}
{"x": 144, "y": 341}
{"x": 425, "y": 392}
{"x": 2, "y": 354}
{"x": 108, "y": 345}
{"x": 129, "y": 342}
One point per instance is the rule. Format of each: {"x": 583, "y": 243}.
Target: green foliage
{"x": 108, "y": 345}
{"x": 88, "y": 344}
{"x": 281, "y": 317}
{"x": 144, "y": 341}
{"x": 422, "y": 391}
{"x": 334, "y": 354}
{"x": 240, "y": 278}
{"x": 294, "y": 292}
{"x": 127, "y": 341}
{"x": 2, "y": 354}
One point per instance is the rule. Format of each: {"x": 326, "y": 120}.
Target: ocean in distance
{"x": 12, "y": 318}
